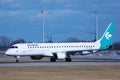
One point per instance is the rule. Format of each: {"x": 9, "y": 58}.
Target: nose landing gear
{"x": 17, "y": 58}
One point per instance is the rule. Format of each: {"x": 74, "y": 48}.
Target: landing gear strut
{"x": 68, "y": 59}
{"x": 53, "y": 59}
{"x": 17, "y": 58}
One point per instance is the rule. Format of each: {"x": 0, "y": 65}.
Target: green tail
{"x": 107, "y": 38}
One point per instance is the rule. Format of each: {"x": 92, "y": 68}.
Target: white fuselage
{"x": 46, "y": 49}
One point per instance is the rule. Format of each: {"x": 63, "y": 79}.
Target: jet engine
{"x": 36, "y": 57}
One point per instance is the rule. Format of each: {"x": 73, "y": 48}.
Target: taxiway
{"x": 58, "y": 63}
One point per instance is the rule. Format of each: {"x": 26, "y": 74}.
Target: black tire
{"x": 17, "y": 61}
{"x": 53, "y": 59}
{"x": 68, "y": 59}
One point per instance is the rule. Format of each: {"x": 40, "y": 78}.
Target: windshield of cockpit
{"x": 14, "y": 47}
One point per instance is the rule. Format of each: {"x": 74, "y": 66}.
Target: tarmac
{"x": 58, "y": 63}
{"x": 97, "y": 59}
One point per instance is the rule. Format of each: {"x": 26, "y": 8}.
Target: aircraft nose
{"x": 7, "y": 52}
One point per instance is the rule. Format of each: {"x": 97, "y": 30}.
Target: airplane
{"x": 61, "y": 51}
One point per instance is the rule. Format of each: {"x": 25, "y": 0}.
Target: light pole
{"x": 96, "y": 23}
{"x": 43, "y": 26}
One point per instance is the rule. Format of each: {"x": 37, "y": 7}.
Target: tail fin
{"x": 106, "y": 39}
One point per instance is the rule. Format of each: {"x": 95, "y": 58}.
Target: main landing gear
{"x": 17, "y": 58}
{"x": 53, "y": 59}
{"x": 67, "y": 59}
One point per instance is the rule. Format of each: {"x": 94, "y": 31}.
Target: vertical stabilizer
{"x": 107, "y": 38}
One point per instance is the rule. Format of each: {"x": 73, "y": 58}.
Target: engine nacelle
{"x": 84, "y": 52}
{"x": 36, "y": 57}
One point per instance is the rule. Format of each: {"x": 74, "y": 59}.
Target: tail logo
{"x": 108, "y": 35}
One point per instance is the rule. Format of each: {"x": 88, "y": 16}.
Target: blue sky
{"x": 63, "y": 18}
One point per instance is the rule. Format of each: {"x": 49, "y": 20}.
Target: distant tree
{"x": 4, "y": 42}
{"x": 116, "y": 46}
{"x": 49, "y": 39}
{"x": 72, "y": 39}
{"x": 18, "y": 41}
{"x": 29, "y": 42}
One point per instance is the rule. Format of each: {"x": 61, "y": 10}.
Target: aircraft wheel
{"x": 53, "y": 59}
{"x": 68, "y": 59}
{"x": 17, "y": 58}
{"x": 17, "y": 61}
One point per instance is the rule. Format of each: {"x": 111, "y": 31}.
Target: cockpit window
{"x": 13, "y": 47}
